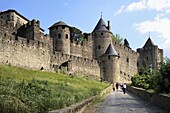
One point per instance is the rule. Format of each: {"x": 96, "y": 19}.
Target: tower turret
{"x": 102, "y": 37}
{"x": 60, "y": 33}
{"x": 109, "y": 70}
{"x": 149, "y": 55}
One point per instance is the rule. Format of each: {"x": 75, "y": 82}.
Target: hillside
{"x": 27, "y": 91}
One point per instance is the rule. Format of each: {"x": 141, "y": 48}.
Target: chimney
{"x": 108, "y": 27}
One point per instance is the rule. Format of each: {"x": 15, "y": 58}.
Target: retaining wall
{"x": 156, "y": 99}
{"x": 78, "y": 107}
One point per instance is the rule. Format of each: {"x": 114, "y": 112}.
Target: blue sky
{"x": 132, "y": 19}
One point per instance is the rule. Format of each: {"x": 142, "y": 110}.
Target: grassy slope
{"x": 29, "y": 91}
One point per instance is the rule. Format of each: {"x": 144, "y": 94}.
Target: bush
{"x": 158, "y": 80}
{"x": 162, "y": 79}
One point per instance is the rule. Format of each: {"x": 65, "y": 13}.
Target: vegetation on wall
{"x": 117, "y": 38}
{"x": 158, "y": 80}
{"x": 26, "y": 91}
{"x": 76, "y": 34}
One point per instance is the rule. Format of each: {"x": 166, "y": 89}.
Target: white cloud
{"x": 158, "y": 5}
{"x": 120, "y": 10}
{"x": 158, "y": 25}
{"x": 136, "y": 6}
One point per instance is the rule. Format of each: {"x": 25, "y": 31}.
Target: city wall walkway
{"x": 117, "y": 102}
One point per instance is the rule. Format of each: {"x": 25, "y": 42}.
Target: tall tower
{"x": 102, "y": 37}
{"x": 109, "y": 64}
{"x": 60, "y": 32}
{"x": 149, "y": 56}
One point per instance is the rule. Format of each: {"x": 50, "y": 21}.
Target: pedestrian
{"x": 124, "y": 88}
{"x": 113, "y": 87}
{"x": 117, "y": 86}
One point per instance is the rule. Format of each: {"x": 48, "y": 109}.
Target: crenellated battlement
{"x": 124, "y": 48}
{"x": 65, "y": 57}
{"x": 23, "y": 42}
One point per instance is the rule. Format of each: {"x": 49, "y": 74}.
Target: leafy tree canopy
{"x": 117, "y": 38}
{"x": 159, "y": 80}
{"x": 76, "y": 34}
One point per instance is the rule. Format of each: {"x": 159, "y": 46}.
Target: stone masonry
{"x": 23, "y": 44}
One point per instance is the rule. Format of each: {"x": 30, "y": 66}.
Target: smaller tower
{"x": 60, "y": 33}
{"x": 109, "y": 66}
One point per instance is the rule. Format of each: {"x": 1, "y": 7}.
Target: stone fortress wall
{"x": 36, "y": 54}
{"x": 27, "y": 46}
{"x": 19, "y": 51}
{"x": 128, "y": 61}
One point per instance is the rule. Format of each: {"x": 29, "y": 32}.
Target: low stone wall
{"x": 156, "y": 99}
{"x": 77, "y": 108}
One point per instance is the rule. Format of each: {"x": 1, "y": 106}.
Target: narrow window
{"x": 59, "y": 35}
{"x": 127, "y": 60}
{"x": 101, "y": 33}
{"x": 147, "y": 58}
{"x": 63, "y": 27}
{"x": 109, "y": 57}
{"x": 66, "y": 36}
{"x": 38, "y": 43}
{"x": 99, "y": 47}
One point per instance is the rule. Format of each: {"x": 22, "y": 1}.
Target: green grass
{"x": 27, "y": 91}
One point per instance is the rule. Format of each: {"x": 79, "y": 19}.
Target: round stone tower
{"x": 102, "y": 37}
{"x": 60, "y": 33}
{"x": 109, "y": 65}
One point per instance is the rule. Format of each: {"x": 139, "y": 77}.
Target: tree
{"x": 158, "y": 80}
{"x": 163, "y": 77}
{"x": 76, "y": 34}
{"x": 117, "y": 38}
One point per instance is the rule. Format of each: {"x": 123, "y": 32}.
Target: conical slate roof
{"x": 60, "y": 23}
{"x": 149, "y": 42}
{"x": 111, "y": 51}
{"x": 101, "y": 26}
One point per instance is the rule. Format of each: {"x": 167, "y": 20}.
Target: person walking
{"x": 117, "y": 86}
{"x": 113, "y": 87}
{"x": 124, "y": 88}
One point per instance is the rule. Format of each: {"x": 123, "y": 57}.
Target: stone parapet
{"x": 78, "y": 107}
{"x": 154, "y": 98}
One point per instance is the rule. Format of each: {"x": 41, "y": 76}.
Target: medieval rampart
{"x": 75, "y": 64}
{"x": 128, "y": 61}
{"x": 20, "y": 52}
